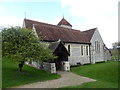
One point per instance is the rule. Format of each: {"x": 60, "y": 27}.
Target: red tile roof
{"x": 64, "y": 22}
{"x": 89, "y": 33}
{"x": 48, "y": 32}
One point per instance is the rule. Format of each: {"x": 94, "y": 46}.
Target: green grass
{"x": 0, "y": 72}
{"x": 12, "y": 77}
{"x": 106, "y": 75}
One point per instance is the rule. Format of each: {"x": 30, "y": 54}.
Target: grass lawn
{"x": 11, "y": 77}
{"x": 106, "y": 75}
{"x": 0, "y": 72}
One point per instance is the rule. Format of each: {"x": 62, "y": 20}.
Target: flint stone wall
{"x": 49, "y": 67}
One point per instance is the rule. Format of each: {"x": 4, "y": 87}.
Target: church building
{"x": 75, "y": 46}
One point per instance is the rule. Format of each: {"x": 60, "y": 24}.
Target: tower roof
{"x": 64, "y": 22}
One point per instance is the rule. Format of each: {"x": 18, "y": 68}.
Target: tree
{"x": 22, "y": 45}
{"x": 116, "y": 51}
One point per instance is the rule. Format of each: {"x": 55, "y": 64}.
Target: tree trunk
{"x": 21, "y": 65}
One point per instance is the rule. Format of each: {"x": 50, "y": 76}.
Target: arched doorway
{"x": 61, "y": 57}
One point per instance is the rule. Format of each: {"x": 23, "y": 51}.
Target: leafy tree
{"x": 22, "y": 45}
{"x": 0, "y": 45}
{"x": 116, "y": 51}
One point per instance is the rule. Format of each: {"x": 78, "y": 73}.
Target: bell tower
{"x": 64, "y": 23}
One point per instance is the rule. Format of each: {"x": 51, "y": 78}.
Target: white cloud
{"x": 98, "y": 13}
{"x": 7, "y": 21}
{"x": 29, "y": 0}
{"x": 56, "y": 20}
{"x": 2, "y": 9}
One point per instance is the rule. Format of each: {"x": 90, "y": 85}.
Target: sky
{"x": 82, "y": 14}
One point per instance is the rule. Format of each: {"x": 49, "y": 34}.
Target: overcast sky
{"x": 82, "y": 14}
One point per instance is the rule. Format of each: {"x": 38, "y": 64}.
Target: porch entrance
{"x": 61, "y": 52}
{"x": 61, "y": 57}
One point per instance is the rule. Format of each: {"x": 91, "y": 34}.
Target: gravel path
{"x": 67, "y": 79}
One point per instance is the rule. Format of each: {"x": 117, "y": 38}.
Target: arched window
{"x": 97, "y": 46}
{"x": 86, "y": 50}
{"x": 82, "y": 50}
{"x": 69, "y": 48}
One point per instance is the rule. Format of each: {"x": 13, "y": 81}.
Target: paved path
{"x": 67, "y": 79}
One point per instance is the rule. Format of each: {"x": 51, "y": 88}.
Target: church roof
{"x": 55, "y": 47}
{"x": 49, "y": 32}
{"x": 64, "y": 22}
{"x": 89, "y": 33}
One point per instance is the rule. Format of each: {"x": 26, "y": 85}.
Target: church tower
{"x": 64, "y": 23}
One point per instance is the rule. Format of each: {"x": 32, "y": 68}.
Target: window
{"x": 82, "y": 50}
{"x": 69, "y": 48}
{"x": 86, "y": 50}
{"x": 97, "y": 46}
